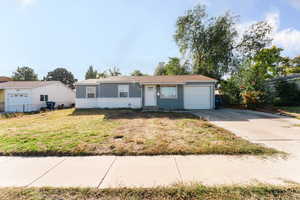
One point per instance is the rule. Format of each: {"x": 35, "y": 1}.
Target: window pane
{"x": 91, "y": 92}
{"x": 91, "y": 89}
{"x": 123, "y": 94}
{"x": 168, "y": 92}
{"x": 46, "y": 97}
{"x": 42, "y": 98}
{"x": 123, "y": 90}
{"x": 90, "y": 95}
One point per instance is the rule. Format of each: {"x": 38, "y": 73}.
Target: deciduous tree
{"x": 62, "y": 75}
{"x": 24, "y": 74}
{"x": 137, "y": 73}
{"x": 254, "y": 39}
{"x": 207, "y": 41}
{"x": 172, "y": 67}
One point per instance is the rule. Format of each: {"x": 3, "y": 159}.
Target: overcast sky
{"x": 129, "y": 34}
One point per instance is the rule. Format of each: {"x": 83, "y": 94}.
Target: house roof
{"x": 179, "y": 79}
{"x": 286, "y": 78}
{"x": 25, "y": 84}
{"x": 4, "y": 79}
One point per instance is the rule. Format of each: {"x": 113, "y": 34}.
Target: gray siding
{"x": 81, "y": 91}
{"x": 172, "y": 104}
{"x": 143, "y": 95}
{"x": 135, "y": 90}
{"x": 108, "y": 90}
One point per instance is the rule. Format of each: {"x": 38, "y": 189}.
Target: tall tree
{"x": 137, "y": 73}
{"x": 62, "y": 75}
{"x": 160, "y": 69}
{"x": 24, "y": 74}
{"x": 296, "y": 61}
{"x": 172, "y": 67}
{"x": 208, "y": 42}
{"x": 270, "y": 62}
{"x": 114, "y": 71}
{"x": 255, "y": 39}
{"x": 295, "y": 66}
{"x": 91, "y": 73}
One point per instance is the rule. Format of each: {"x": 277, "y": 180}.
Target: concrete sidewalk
{"x": 142, "y": 171}
{"x": 111, "y": 171}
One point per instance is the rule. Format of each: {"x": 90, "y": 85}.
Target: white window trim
{"x": 119, "y": 90}
{"x": 168, "y": 97}
{"x": 86, "y": 92}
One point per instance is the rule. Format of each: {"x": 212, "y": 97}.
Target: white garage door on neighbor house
{"x": 18, "y": 101}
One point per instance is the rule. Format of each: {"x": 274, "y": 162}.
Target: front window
{"x": 123, "y": 91}
{"x": 43, "y": 97}
{"x": 91, "y": 92}
{"x": 168, "y": 92}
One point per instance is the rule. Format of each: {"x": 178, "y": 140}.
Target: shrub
{"x": 252, "y": 99}
{"x": 286, "y": 94}
{"x": 231, "y": 91}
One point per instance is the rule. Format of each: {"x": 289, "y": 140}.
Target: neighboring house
{"x": 290, "y": 78}
{"x": 4, "y": 79}
{"x": 27, "y": 96}
{"x": 156, "y": 92}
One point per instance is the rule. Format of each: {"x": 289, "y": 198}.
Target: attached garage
{"x": 198, "y": 97}
{"x": 18, "y": 101}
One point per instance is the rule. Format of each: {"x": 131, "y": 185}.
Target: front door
{"x": 150, "y": 95}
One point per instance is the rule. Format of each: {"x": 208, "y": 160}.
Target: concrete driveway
{"x": 272, "y": 130}
{"x": 151, "y": 171}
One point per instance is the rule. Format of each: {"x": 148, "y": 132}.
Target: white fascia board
{"x": 15, "y": 88}
{"x": 86, "y": 84}
{"x": 208, "y": 81}
{"x": 159, "y": 83}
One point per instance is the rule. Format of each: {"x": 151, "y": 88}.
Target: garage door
{"x": 18, "y": 102}
{"x": 197, "y": 97}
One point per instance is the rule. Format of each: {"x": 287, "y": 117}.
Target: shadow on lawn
{"x": 114, "y": 114}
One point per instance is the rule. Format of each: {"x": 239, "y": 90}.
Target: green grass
{"x": 291, "y": 110}
{"x": 118, "y": 132}
{"x": 194, "y": 192}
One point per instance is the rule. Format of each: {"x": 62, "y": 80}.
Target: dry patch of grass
{"x": 118, "y": 132}
{"x": 160, "y": 193}
{"x": 10, "y": 115}
{"x": 291, "y": 110}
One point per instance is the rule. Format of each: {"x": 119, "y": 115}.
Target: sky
{"x": 128, "y": 34}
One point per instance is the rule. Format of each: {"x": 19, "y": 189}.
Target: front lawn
{"x": 118, "y": 132}
{"x": 160, "y": 193}
{"x": 291, "y": 110}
